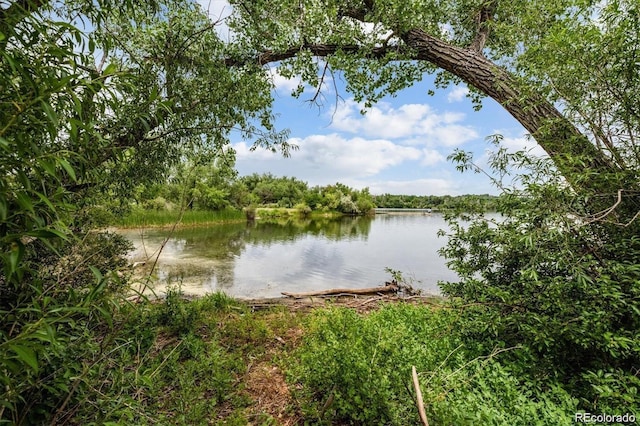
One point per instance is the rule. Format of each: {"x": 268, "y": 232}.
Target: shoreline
{"x": 172, "y": 225}
{"x": 271, "y": 213}
{"x": 362, "y": 303}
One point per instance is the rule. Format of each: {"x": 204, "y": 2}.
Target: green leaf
{"x": 48, "y": 166}
{"x": 47, "y": 201}
{"x": 15, "y": 256}
{"x": 24, "y": 201}
{"x": 48, "y": 234}
{"x": 96, "y": 273}
{"x": 65, "y": 164}
{"x": 26, "y": 355}
{"x": 3, "y": 208}
{"x": 110, "y": 69}
{"x": 50, "y": 112}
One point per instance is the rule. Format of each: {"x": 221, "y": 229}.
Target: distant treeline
{"x": 484, "y": 202}
{"x": 207, "y": 188}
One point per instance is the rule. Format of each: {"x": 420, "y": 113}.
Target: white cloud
{"x": 431, "y": 157}
{"x": 281, "y": 83}
{"x": 415, "y": 187}
{"x": 419, "y": 122}
{"x": 243, "y": 151}
{"x": 457, "y": 94}
{"x": 366, "y": 157}
{"x": 523, "y": 143}
{"x": 334, "y": 155}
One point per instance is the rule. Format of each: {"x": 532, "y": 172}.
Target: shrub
{"x": 357, "y": 369}
{"x": 303, "y": 209}
{"x": 562, "y": 284}
{"x": 158, "y": 203}
{"x": 54, "y": 328}
{"x": 76, "y": 264}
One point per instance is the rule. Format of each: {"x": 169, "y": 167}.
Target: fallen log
{"x": 389, "y": 288}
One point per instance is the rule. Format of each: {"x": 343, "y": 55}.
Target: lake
{"x": 261, "y": 259}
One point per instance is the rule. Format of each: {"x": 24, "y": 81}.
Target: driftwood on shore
{"x": 388, "y": 288}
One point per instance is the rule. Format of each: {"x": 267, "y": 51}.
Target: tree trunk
{"x": 571, "y": 151}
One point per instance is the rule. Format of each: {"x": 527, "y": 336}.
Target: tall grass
{"x": 141, "y": 218}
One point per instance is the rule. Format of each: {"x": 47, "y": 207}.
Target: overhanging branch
{"x": 321, "y": 50}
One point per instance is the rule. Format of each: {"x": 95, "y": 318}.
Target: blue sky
{"x": 399, "y": 146}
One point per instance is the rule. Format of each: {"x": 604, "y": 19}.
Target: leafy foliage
{"x": 561, "y": 283}
{"x": 212, "y": 188}
{"x": 441, "y": 203}
{"x": 96, "y": 97}
{"x": 357, "y": 369}
{"x": 556, "y": 277}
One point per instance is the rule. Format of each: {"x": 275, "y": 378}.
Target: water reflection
{"x": 264, "y": 258}
{"x": 290, "y": 229}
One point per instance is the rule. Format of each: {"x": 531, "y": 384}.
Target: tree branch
{"x": 571, "y": 151}
{"x": 484, "y": 15}
{"x": 320, "y": 83}
{"x": 321, "y": 50}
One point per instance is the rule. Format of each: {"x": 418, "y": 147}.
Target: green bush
{"x": 564, "y": 285}
{"x": 99, "y": 216}
{"x": 52, "y": 329}
{"x": 158, "y": 203}
{"x": 357, "y": 370}
{"x": 303, "y": 209}
{"x": 176, "y": 314}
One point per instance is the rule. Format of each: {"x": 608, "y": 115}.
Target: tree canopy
{"x": 524, "y": 55}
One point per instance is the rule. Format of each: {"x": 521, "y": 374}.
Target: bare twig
{"x": 608, "y": 211}
{"x": 314, "y": 99}
{"x": 419, "y": 401}
{"x": 369, "y": 300}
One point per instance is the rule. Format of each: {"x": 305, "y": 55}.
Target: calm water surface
{"x": 263, "y": 259}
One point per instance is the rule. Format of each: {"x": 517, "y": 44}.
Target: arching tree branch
{"x": 553, "y": 132}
